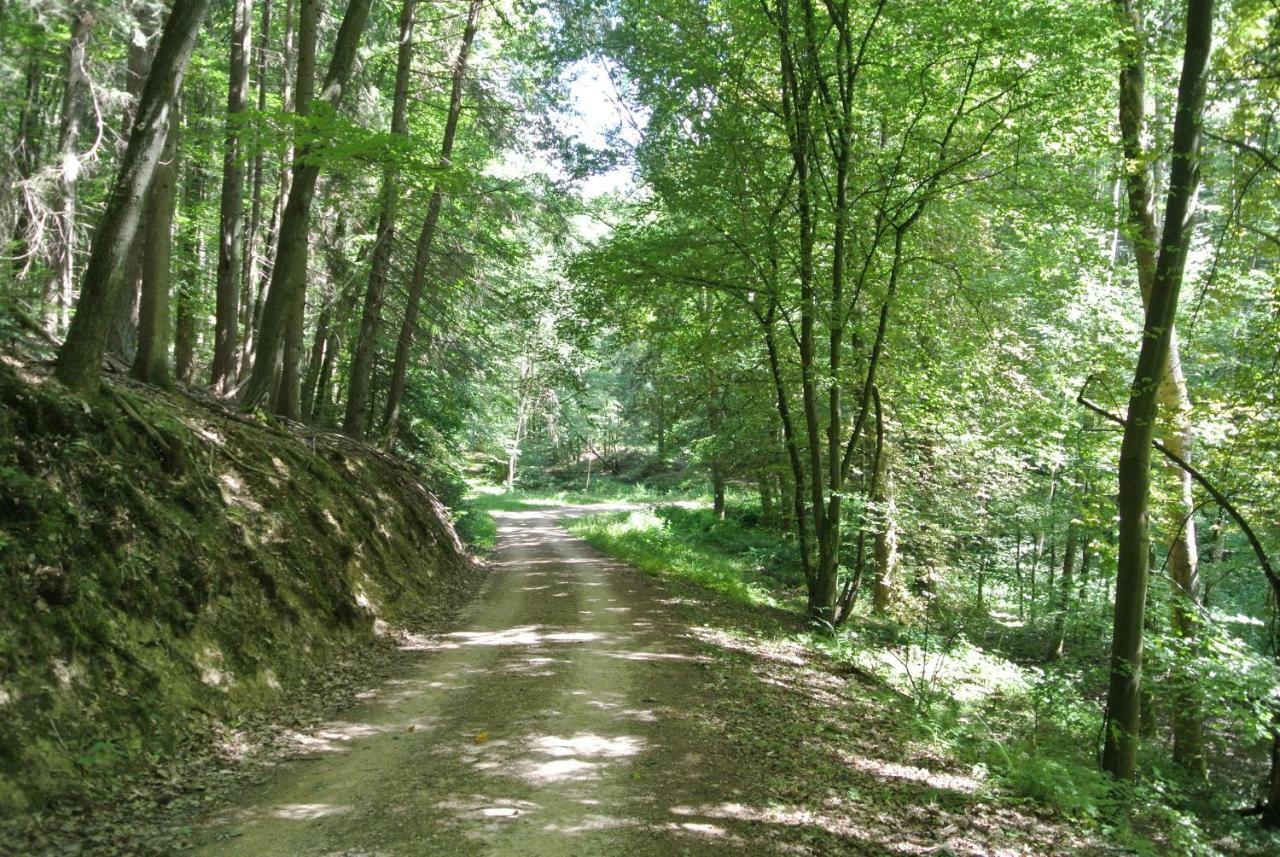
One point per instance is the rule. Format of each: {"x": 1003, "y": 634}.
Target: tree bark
{"x": 80, "y": 359}
{"x": 288, "y": 397}
{"x": 287, "y": 289}
{"x": 422, "y": 258}
{"x": 319, "y": 344}
{"x": 1172, "y": 394}
{"x": 1125, "y": 686}
{"x": 356, "y": 420}
{"x": 194, "y": 249}
{"x": 26, "y": 157}
{"x": 231, "y": 217}
{"x": 885, "y": 553}
{"x": 151, "y": 361}
{"x": 57, "y": 297}
{"x": 260, "y": 277}
{"x": 122, "y": 339}
{"x": 1065, "y": 585}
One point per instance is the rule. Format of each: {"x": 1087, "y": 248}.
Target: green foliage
{"x": 673, "y": 542}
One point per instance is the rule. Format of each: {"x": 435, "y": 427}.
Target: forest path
{"x": 553, "y": 720}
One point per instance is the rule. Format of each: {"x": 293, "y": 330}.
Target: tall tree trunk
{"x": 1173, "y": 397}
{"x": 80, "y": 360}
{"x": 288, "y": 400}
{"x": 231, "y": 217}
{"x": 248, "y": 250}
{"x": 288, "y": 275}
{"x": 122, "y": 338}
{"x": 356, "y": 421}
{"x": 1124, "y": 691}
{"x": 885, "y": 553}
{"x": 311, "y": 380}
{"x": 57, "y": 297}
{"x": 151, "y": 362}
{"x": 715, "y": 418}
{"x": 768, "y": 506}
{"x": 1064, "y": 592}
{"x": 422, "y": 258}
{"x": 260, "y": 278}
{"x": 193, "y": 249}
{"x": 324, "y": 399}
{"x": 26, "y": 156}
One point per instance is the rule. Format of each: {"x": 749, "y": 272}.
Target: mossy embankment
{"x": 168, "y": 566}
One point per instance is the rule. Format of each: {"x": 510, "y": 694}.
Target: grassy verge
{"x": 743, "y": 566}
{"x": 1022, "y": 729}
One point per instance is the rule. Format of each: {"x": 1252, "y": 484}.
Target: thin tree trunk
{"x": 193, "y": 249}
{"x": 885, "y": 553}
{"x": 1172, "y": 395}
{"x": 356, "y": 421}
{"x": 1064, "y": 592}
{"x": 262, "y": 282}
{"x": 288, "y": 398}
{"x": 1125, "y": 686}
{"x": 422, "y": 259}
{"x": 1017, "y": 570}
{"x": 886, "y": 559}
{"x": 122, "y": 339}
{"x": 248, "y": 252}
{"x": 315, "y": 361}
{"x": 287, "y": 289}
{"x": 26, "y": 157}
{"x": 80, "y": 360}
{"x": 57, "y": 297}
{"x": 151, "y": 362}
{"x": 325, "y": 390}
{"x": 231, "y": 217}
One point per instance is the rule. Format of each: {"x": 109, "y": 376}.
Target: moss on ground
{"x": 168, "y": 566}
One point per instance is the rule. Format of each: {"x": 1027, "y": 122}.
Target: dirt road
{"x": 552, "y": 721}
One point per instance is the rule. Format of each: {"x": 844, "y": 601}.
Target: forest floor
{"x": 581, "y": 707}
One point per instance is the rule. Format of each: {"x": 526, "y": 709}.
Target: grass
{"x": 1024, "y": 729}
{"x": 688, "y": 545}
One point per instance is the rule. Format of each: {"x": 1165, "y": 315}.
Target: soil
{"x": 580, "y": 707}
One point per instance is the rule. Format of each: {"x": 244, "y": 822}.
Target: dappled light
{"x": 640, "y": 427}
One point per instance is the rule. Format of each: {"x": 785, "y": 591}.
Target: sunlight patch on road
{"x": 308, "y": 811}
{"x": 335, "y": 737}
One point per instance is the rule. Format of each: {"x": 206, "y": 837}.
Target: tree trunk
{"x": 311, "y": 380}
{"x": 288, "y": 397}
{"x": 80, "y": 360}
{"x": 248, "y": 252}
{"x": 151, "y": 362}
{"x": 262, "y": 279}
{"x": 1064, "y": 592}
{"x": 1172, "y": 394}
{"x": 356, "y": 421}
{"x": 185, "y": 334}
{"x": 422, "y": 259}
{"x": 122, "y": 339}
{"x": 715, "y": 417}
{"x": 57, "y": 297}
{"x": 1017, "y": 569}
{"x": 325, "y": 392}
{"x": 231, "y": 218}
{"x": 885, "y": 552}
{"x": 26, "y": 157}
{"x": 1125, "y": 686}
{"x": 287, "y": 289}
{"x": 768, "y": 506}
